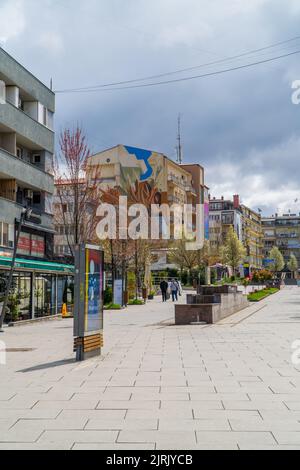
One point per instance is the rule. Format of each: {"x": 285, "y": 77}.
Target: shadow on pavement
{"x": 49, "y": 365}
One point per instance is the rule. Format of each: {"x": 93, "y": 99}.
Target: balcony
{"x": 16, "y": 120}
{"x": 10, "y": 211}
{"x": 12, "y": 167}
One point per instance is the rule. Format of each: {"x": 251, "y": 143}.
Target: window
{"x": 4, "y": 234}
{"x": 21, "y": 104}
{"x": 19, "y": 152}
{"x": 36, "y": 198}
{"x": 36, "y": 158}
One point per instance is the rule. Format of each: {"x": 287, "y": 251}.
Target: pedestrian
{"x": 164, "y": 289}
{"x": 179, "y": 287}
{"x": 174, "y": 290}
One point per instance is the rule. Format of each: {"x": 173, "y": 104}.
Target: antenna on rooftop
{"x": 179, "y": 146}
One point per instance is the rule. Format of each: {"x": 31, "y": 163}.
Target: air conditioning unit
{"x": 28, "y": 194}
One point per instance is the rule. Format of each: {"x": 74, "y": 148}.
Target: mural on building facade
{"x": 142, "y": 176}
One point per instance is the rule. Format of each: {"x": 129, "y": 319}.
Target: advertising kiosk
{"x": 88, "y": 297}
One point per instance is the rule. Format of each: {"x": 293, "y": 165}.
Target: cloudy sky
{"x": 241, "y": 126}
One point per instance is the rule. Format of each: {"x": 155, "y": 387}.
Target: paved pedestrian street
{"x": 157, "y": 386}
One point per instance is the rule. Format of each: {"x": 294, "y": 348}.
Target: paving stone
{"x": 235, "y": 438}
{"x": 72, "y": 437}
{"x": 125, "y": 424}
{"x": 231, "y": 385}
{"x": 110, "y": 446}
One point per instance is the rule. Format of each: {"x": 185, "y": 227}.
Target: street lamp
{"x": 26, "y": 213}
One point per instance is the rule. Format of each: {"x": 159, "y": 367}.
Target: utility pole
{"x": 179, "y": 146}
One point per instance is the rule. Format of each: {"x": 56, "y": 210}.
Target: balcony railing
{"x": 27, "y": 173}
{"x": 21, "y": 123}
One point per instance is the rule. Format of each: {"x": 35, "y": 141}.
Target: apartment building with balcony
{"x": 225, "y": 213}
{"x": 282, "y": 231}
{"x": 126, "y": 167}
{"x": 252, "y": 236}
{"x": 27, "y": 109}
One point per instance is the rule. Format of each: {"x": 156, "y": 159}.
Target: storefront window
{"x": 19, "y": 302}
{"x": 44, "y": 295}
{"x": 65, "y": 293}
{"x": 36, "y": 296}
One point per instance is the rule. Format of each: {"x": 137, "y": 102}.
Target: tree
{"x": 278, "y": 261}
{"x": 207, "y": 257}
{"x": 129, "y": 254}
{"x": 293, "y": 264}
{"x": 183, "y": 258}
{"x": 77, "y": 196}
{"x": 233, "y": 252}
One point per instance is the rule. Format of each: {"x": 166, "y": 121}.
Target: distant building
{"x": 225, "y": 213}
{"x": 63, "y": 209}
{"x": 252, "y": 236}
{"x": 124, "y": 167}
{"x": 282, "y": 231}
{"x": 222, "y": 215}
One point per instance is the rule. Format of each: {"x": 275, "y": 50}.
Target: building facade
{"x": 282, "y": 231}
{"x": 252, "y": 236}
{"x": 222, "y": 215}
{"x": 246, "y": 223}
{"x": 127, "y": 168}
{"x": 26, "y": 153}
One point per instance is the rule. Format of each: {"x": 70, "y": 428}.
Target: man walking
{"x": 174, "y": 290}
{"x": 164, "y": 289}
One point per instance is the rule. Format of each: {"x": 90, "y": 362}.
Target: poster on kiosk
{"x": 88, "y": 311}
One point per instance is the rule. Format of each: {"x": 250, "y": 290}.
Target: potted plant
{"x": 14, "y": 309}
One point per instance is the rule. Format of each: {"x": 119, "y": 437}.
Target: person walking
{"x": 174, "y": 290}
{"x": 179, "y": 287}
{"x": 164, "y": 289}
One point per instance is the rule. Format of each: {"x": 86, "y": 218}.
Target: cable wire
{"x": 151, "y": 77}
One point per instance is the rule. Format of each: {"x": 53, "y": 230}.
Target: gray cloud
{"x": 241, "y": 126}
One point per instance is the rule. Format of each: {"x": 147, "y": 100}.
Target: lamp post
{"x": 26, "y": 212}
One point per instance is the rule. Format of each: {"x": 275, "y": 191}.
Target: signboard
{"x": 88, "y": 311}
{"x": 268, "y": 261}
{"x": 118, "y": 294}
{"x": 31, "y": 245}
{"x": 94, "y": 289}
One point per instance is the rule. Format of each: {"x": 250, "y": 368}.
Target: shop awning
{"x": 40, "y": 266}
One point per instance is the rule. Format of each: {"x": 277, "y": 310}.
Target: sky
{"x": 241, "y": 126}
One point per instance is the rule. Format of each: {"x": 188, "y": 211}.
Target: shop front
{"x": 39, "y": 288}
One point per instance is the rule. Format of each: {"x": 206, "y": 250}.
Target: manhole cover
{"x": 14, "y": 350}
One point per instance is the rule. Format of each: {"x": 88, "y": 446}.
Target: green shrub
{"x": 184, "y": 278}
{"x": 108, "y": 296}
{"x": 14, "y": 306}
{"x": 261, "y": 294}
{"x": 262, "y": 276}
{"x": 113, "y": 307}
{"x": 136, "y": 302}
